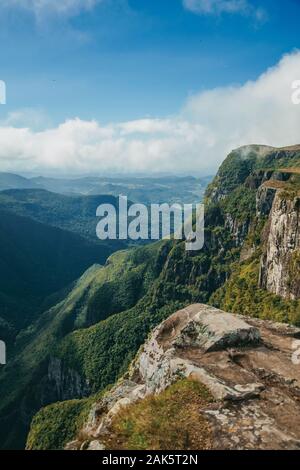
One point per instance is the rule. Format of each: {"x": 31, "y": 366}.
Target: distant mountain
{"x": 37, "y": 261}
{"x": 11, "y": 181}
{"x": 47, "y": 240}
{"x": 76, "y": 214}
{"x": 144, "y": 190}
{"x": 249, "y": 265}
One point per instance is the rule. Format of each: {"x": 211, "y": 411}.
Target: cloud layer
{"x": 51, "y": 7}
{"x": 67, "y": 8}
{"x": 196, "y": 140}
{"x": 218, "y": 7}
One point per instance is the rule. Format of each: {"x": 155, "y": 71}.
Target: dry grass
{"x": 274, "y": 184}
{"x": 169, "y": 421}
{"x": 292, "y": 170}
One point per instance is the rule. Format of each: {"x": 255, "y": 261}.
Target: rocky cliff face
{"x": 245, "y": 220}
{"x": 280, "y": 263}
{"x": 248, "y": 366}
{"x": 66, "y": 383}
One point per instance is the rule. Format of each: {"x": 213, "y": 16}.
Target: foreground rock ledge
{"x": 245, "y": 363}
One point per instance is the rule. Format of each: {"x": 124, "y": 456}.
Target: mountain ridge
{"x": 226, "y": 271}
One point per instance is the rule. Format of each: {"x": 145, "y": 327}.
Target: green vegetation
{"x": 294, "y": 273}
{"x": 278, "y": 159}
{"x": 34, "y": 345}
{"x": 36, "y": 262}
{"x": 233, "y": 172}
{"x": 241, "y": 294}
{"x": 170, "y": 420}
{"x": 55, "y": 425}
{"x": 98, "y": 327}
{"x": 241, "y": 204}
{"x": 76, "y": 214}
{"x": 103, "y": 352}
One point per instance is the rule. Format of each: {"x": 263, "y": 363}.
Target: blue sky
{"x": 116, "y": 61}
{"x": 125, "y": 60}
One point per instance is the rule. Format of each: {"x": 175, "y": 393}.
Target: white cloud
{"x": 42, "y": 8}
{"x": 196, "y": 140}
{"x": 30, "y": 117}
{"x": 218, "y": 7}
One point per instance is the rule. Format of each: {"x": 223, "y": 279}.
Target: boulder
{"x": 213, "y": 330}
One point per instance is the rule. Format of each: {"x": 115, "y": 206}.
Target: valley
{"x": 149, "y": 231}
{"x": 87, "y": 340}
{"x": 138, "y": 189}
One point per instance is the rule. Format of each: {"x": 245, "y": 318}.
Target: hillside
{"x": 143, "y": 190}
{"x": 36, "y": 262}
{"x": 129, "y": 275}
{"x": 76, "y": 214}
{"x": 231, "y": 271}
{"x": 12, "y": 181}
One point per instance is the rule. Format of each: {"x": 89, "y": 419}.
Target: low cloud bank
{"x": 196, "y": 140}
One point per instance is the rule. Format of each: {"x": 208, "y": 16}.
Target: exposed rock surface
{"x": 279, "y": 272}
{"x": 264, "y": 200}
{"x": 213, "y": 332}
{"x": 250, "y": 367}
{"x": 66, "y": 383}
{"x": 237, "y": 229}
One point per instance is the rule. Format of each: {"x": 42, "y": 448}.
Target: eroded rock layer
{"x": 250, "y": 367}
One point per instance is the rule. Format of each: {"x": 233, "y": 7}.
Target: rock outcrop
{"x": 280, "y": 263}
{"x": 66, "y": 383}
{"x": 249, "y": 366}
{"x": 264, "y": 200}
{"x": 237, "y": 229}
{"x": 245, "y": 221}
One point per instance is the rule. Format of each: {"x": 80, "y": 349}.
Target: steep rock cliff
{"x": 97, "y": 336}
{"x": 280, "y": 263}
{"x": 248, "y": 366}
{"x": 66, "y": 383}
